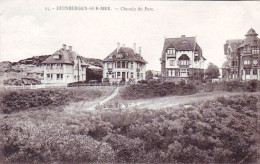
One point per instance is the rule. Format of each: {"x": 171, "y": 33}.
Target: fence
{"x": 36, "y": 86}
{"x": 41, "y": 86}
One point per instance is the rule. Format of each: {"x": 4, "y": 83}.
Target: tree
{"x": 212, "y": 71}
{"x": 148, "y": 75}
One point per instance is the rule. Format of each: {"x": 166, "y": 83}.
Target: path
{"x": 170, "y": 101}
{"x": 105, "y": 100}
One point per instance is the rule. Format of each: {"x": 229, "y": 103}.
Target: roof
{"x": 251, "y": 32}
{"x": 127, "y": 54}
{"x": 251, "y": 39}
{"x": 184, "y": 57}
{"x": 66, "y": 57}
{"x": 183, "y": 43}
{"x": 234, "y": 44}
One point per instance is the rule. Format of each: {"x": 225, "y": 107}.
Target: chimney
{"x": 64, "y": 47}
{"x": 118, "y": 47}
{"x": 182, "y": 36}
{"x": 70, "y": 48}
{"x": 140, "y": 50}
{"x": 134, "y": 47}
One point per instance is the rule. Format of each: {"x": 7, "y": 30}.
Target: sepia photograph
{"x": 129, "y": 81}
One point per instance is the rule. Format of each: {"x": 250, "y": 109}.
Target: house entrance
{"x": 123, "y": 76}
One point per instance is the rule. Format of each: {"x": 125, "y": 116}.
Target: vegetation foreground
{"x": 221, "y": 130}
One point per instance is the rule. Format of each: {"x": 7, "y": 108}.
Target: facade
{"x": 181, "y": 58}
{"x": 124, "y": 64}
{"x": 230, "y": 66}
{"x": 63, "y": 67}
{"x": 243, "y": 58}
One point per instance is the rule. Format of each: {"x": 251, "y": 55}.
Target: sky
{"x": 27, "y": 29}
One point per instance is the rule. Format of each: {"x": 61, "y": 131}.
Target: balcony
{"x": 138, "y": 69}
{"x": 247, "y": 66}
{"x": 171, "y": 56}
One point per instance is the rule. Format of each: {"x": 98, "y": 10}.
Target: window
{"x": 56, "y": 56}
{"x": 132, "y": 65}
{"x": 132, "y": 74}
{"x": 118, "y": 64}
{"x": 184, "y": 62}
{"x": 184, "y": 72}
{"x": 171, "y": 73}
{"x": 247, "y": 72}
{"x": 58, "y": 76}
{"x": 172, "y": 62}
{"x": 118, "y": 74}
{"x": 171, "y": 51}
{"x": 119, "y": 56}
{"x": 109, "y": 65}
{"x": 246, "y": 62}
{"x": 234, "y": 63}
{"x": 123, "y": 65}
{"x": 255, "y": 72}
{"x": 255, "y": 50}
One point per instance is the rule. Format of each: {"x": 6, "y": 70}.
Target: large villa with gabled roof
{"x": 124, "y": 64}
{"x": 63, "y": 67}
{"x": 181, "y": 58}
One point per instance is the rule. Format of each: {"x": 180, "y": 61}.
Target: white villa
{"x": 124, "y": 64}
{"x": 63, "y": 67}
{"x": 181, "y": 58}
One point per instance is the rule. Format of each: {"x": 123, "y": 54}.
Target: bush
{"x": 223, "y": 130}
{"x": 154, "y": 88}
{"x": 33, "y": 99}
{"x": 231, "y": 86}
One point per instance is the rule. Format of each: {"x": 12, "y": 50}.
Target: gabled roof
{"x": 183, "y": 43}
{"x": 184, "y": 57}
{"x": 127, "y": 53}
{"x": 233, "y": 44}
{"x": 66, "y": 57}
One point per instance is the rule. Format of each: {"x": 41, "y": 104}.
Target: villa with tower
{"x": 242, "y": 58}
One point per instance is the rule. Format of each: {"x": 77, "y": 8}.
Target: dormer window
{"x": 119, "y": 55}
{"x": 56, "y": 56}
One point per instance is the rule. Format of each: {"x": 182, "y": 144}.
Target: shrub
{"x": 223, "y": 130}
{"x": 154, "y": 88}
{"x": 33, "y": 99}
